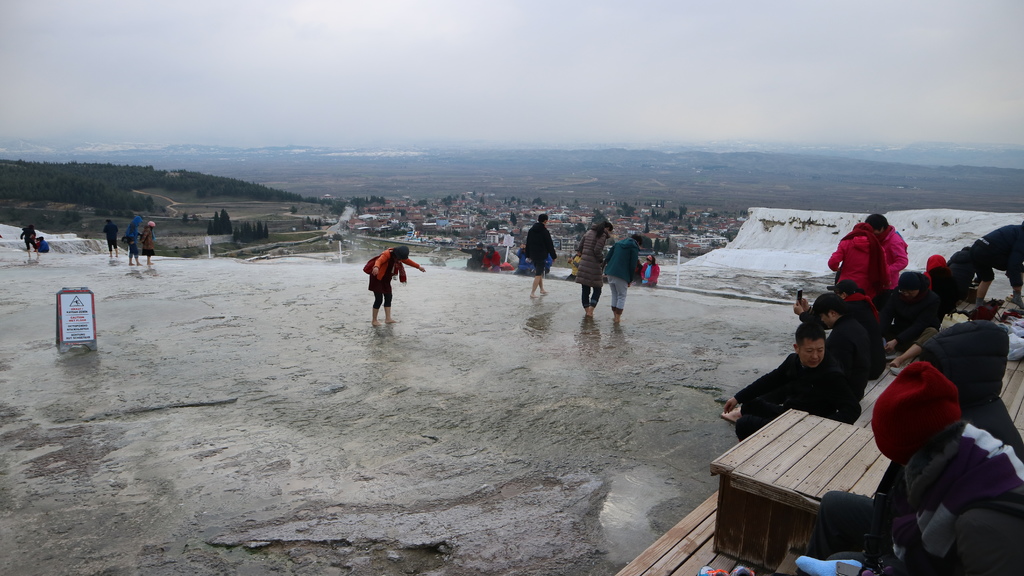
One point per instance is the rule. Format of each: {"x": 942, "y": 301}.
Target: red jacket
{"x": 862, "y": 258}
{"x": 493, "y": 260}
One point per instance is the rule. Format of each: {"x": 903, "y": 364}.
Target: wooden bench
{"x": 688, "y": 546}
{"x": 770, "y": 485}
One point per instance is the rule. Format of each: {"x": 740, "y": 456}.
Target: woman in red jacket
{"x": 385, "y": 267}
{"x": 860, "y": 257}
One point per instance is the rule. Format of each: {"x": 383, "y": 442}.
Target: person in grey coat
{"x": 590, "y": 268}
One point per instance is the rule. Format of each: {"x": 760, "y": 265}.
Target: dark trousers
{"x": 590, "y": 299}
{"x": 755, "y": 415}
{"x": 843, "y": 520}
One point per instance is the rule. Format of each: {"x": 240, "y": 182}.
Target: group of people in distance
{"x": 620, "y": 267}
{"x": 134, "y": 237}
{"x": 956, "y": 485}
{"x": 34, "y": 243}
{"x": 483, "y": 259}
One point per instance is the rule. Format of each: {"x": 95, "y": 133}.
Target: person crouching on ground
{"x": 909, "y": 319}
{"x": 385, "y": 267}
{"x": 42, "y": 246}
{"x": 650, "y": 271}
{"x": 808, "y": 380}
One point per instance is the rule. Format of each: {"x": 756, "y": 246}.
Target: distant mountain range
{"x": 922, "y": 153}
{"x": 728, "y": 175}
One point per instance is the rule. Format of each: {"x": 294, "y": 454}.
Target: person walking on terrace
{"x": 147, "y": 239}
{"x": 539, "y": 246}
{"x": 110, "y": 229}
{"x": 589, "y": 273}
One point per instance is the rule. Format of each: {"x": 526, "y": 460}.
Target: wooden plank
{"x": 799, "y": 472}
{"x": 867, "y": 403}
{"x": 752, "y": 445}
{"x": 701, "y": 538}
{"x": 868, "y": 484}
{"x": 676, "y": 536}
{"x": 704, "y": 556}
{"x": 1014, "y": 402}
{"x": 823, "y": 474}
{"x": 788, "y": 565}
{"x": 777, "y": 447}
{"x": 790, "y": 498}
{"x": 797, "y": 452}
{"x": 854, "y": 470}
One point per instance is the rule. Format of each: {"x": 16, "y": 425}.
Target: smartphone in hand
{"x": 799, "y": 295}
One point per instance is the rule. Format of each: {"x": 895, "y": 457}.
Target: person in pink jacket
{"x": 895, "y": 248}
{"x": 873, "y": 254}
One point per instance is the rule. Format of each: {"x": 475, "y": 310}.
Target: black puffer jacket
{"x": 906, "y": 320}
{"x": 962, "y": 267}
{"x": 973, "y": 356}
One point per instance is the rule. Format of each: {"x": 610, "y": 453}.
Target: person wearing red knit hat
{"x": 958, "y": 507}
{"x": 914, "y": 408}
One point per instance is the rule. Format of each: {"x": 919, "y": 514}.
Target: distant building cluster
{"x": 467, "y": 219}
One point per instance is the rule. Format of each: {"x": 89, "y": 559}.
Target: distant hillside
{"x": 690, "y": 177}
{"x": 109, "y": 186}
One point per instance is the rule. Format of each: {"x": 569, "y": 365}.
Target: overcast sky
{"x": 370, "y": 72}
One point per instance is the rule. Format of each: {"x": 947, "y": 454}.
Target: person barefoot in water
{"x": 385, "y": 267}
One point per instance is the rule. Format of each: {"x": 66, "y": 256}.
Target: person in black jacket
{"x": 538, "y": 246}
{"x": 475, "y": 263}
{"x": 963, "y": 271}
{"x": 911, "y": 318}
{"x": 848, "y": 342}
{"x": 863, "y": 310}
{"x": 1001, "y": 249}
{"x": 110, "y": 229}
{"x": 973, "y": 356}
{"x": 808, "y": 380}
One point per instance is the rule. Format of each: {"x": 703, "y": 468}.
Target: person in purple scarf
{"x": 958, "y": 508}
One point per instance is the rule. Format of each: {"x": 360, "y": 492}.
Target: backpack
{"x": 986, "y": 311}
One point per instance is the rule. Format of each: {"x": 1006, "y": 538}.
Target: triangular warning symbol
{"x": 76, "y": 302}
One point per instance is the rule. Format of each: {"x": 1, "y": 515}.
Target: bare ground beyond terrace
{"x": 247, "y": 419}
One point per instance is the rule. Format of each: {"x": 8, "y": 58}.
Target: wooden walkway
{"x": 770, "y": 486}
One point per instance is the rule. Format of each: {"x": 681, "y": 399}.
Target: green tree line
{"x": 110, "y": 186}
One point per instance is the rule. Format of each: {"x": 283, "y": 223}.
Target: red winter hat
{"x": 919, "y": 404}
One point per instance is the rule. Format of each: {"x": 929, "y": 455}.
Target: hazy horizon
{"x": 511, "y": 73}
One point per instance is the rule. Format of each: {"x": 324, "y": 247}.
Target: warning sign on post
{"x": 76, "y": 319}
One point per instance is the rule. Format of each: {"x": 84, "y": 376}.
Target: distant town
{"x": 467, "y": 219}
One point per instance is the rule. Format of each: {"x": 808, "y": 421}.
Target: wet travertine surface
{"x": 246, "y": 418}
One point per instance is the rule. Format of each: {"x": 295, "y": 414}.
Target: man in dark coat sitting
{"x": 848, "y": 342}
{"x": 863, "y": 310}
{"x": 808, "y": 380}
